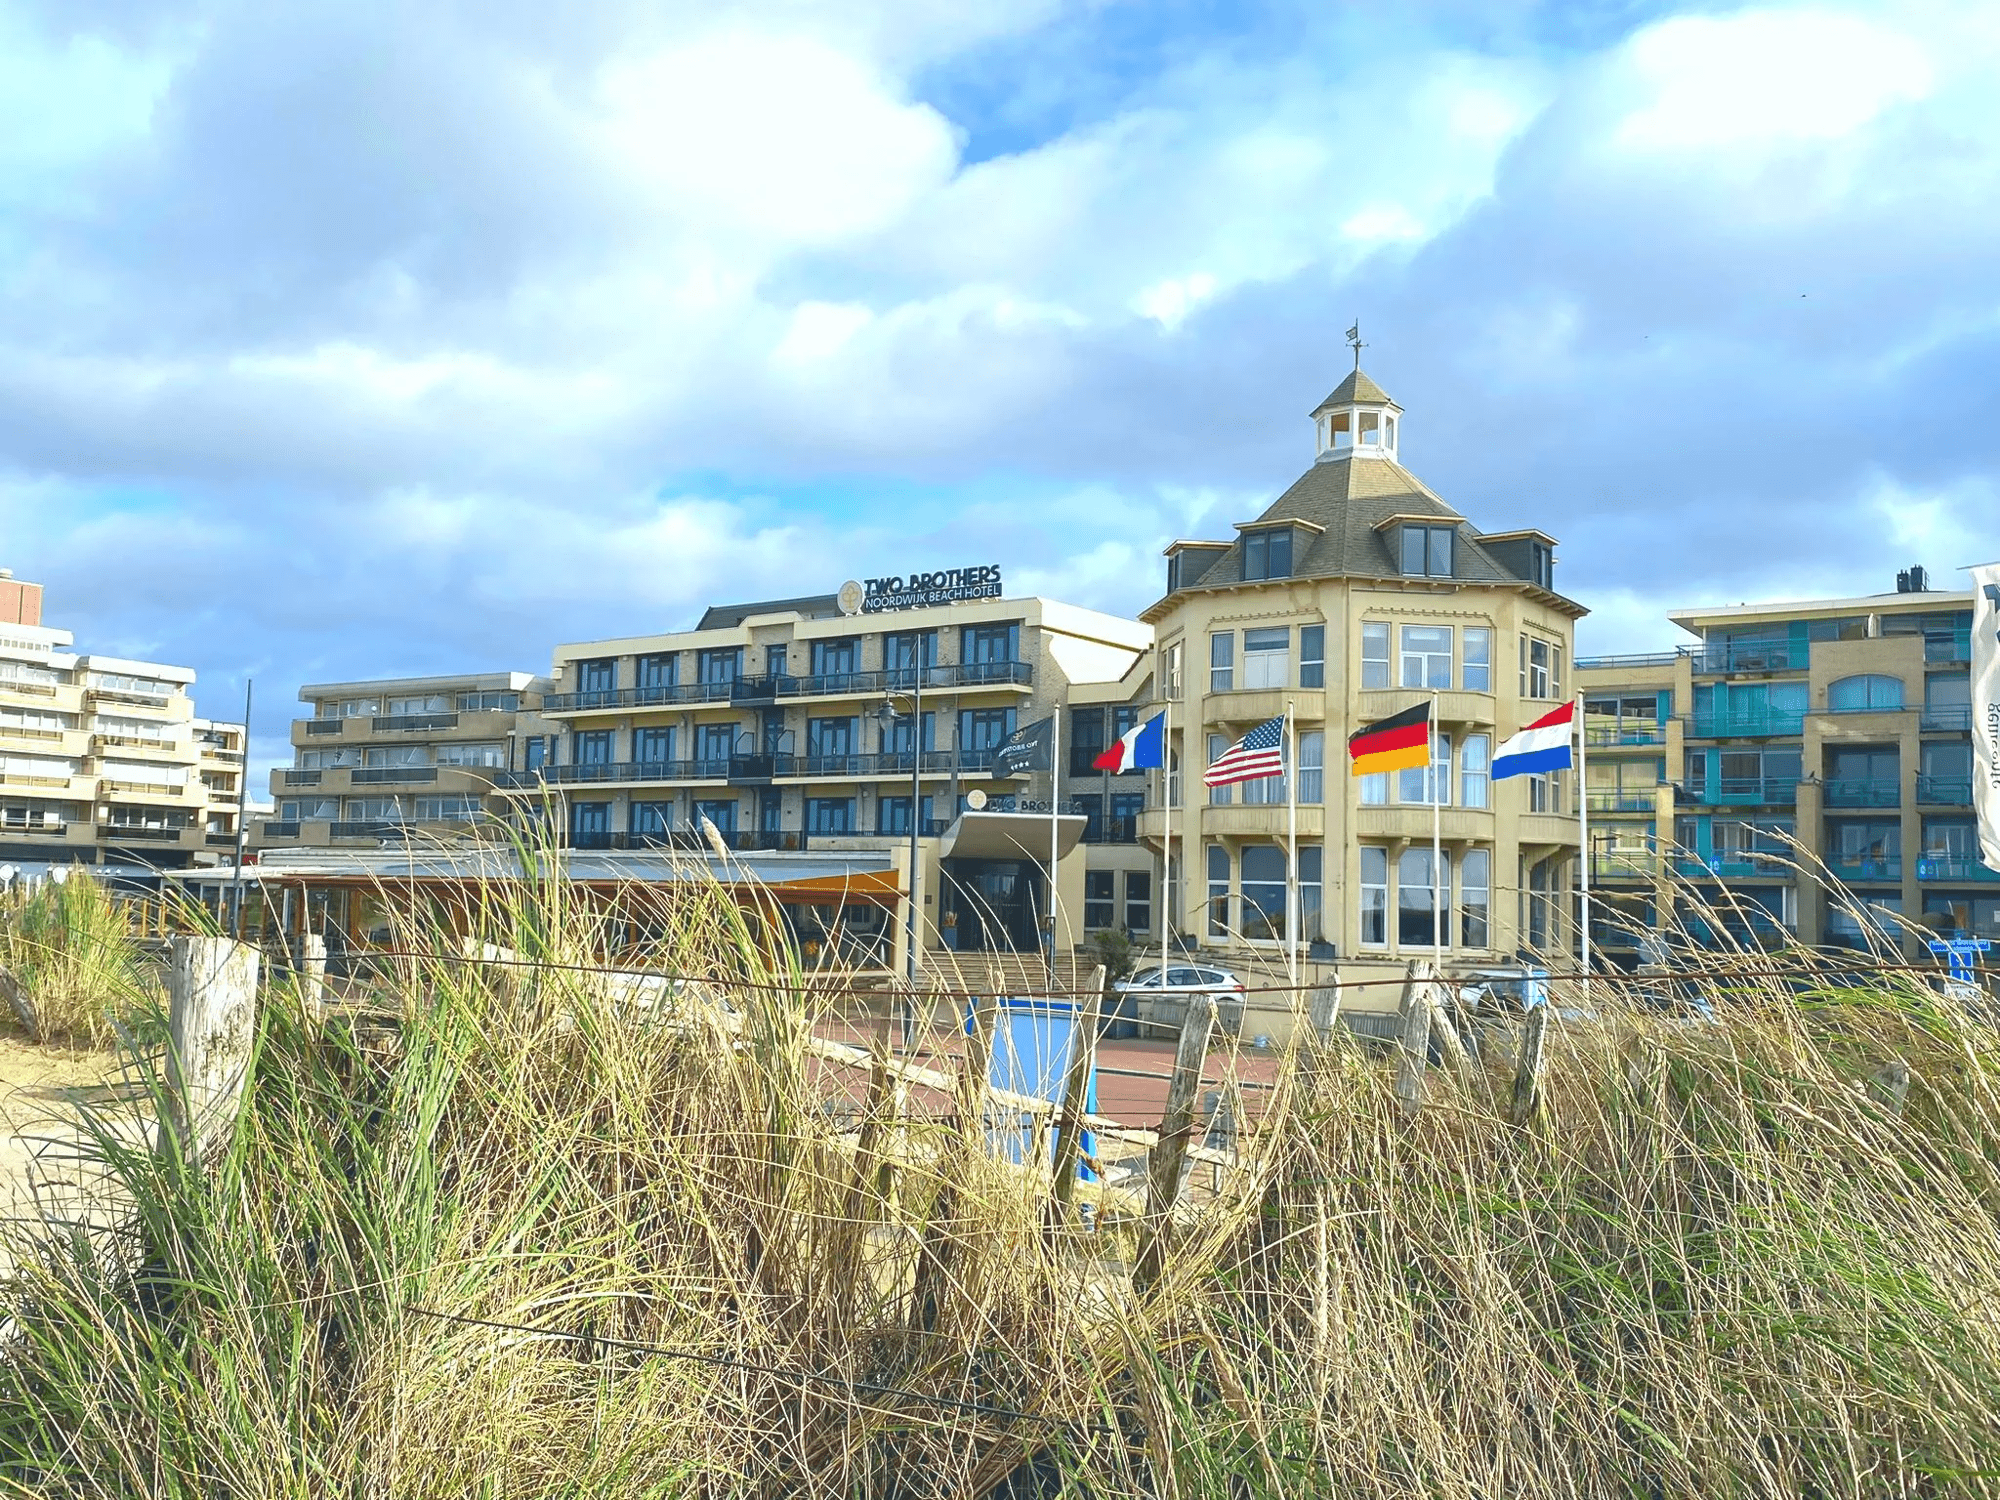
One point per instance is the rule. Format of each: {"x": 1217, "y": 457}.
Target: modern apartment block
{"x": 102, "y": 760}
{"x": 1839, "y": 725}
{"x": 1356, "y": 594}
{"x": 401, "y": 757}
{"x": 794, "y": 725}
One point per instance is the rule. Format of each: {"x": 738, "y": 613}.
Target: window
{"x": 592, "y": 747}
{"x": 1218, "y": 891}
{"x": 1374, "y": 896}
{"x": 720, "y": 666}
{"x": 1421, "y": 784}
{"x": 1865, "y": 848}
{"x": 490, "y": 754}
{"x": 333, "y": 760}
{"x": 1264, "y": 893}
{"x": 1340, "y": 430}
{"x": 1312, "y": 656}
{"x": 721, "y": 814}
{"x": 984, "y": 728}
{"x": 1138, "y": 901}
{"x": 373, "y": 810}
{"x": 904, "y": 651}
{"x": 713, "y": 746}
{"x": 1951, "y": 838}
{"x": 1375, "y": 790}
{"x": 1426, "y": 659}
{"x": 835, "y": 658}
{"x": 1948, "y": 701}
{"x": 1092, "y": 809}
{"x": 899, "y": 738}
{"x": 1219, "y": 796}
{"x": 1312, "y": 889}
{"x": 830, "y": 740}
{"x": 1865, "y": 694}
{"x": 597, "y": 676}
{"x": 1371, "y": 429}
{"x": 359, "y": 708}
{"x": 1374, "y": 653}
{"x": 1222, "y": 662}
{"x": 829, "y": 815}
{"x": 776, "y": 660}
{"x": 460, "y": 809}
{"x": 1100, "y": 899}
{"x": 653, "y": 743}
{"x": 1267, "y": 554}
{"x": 1474, "y": 898}
{"x": 1427, "y": 551}
{"x": 990, "y": 643}
{"x": 1541, "y": 668}
{"x": 1477, "y": 675}
{"x": 1475, "y": 765}
{"x": 660, "y": 670}
{"x": 652, "y": 817}
{"x": 1086, "y": 740}
{"x": 401, "y": 756}
{"x": 421, "y": 703}
{"x": 469, "y": 703}
{"x": 535, "y": 751}
{"x": 1542, "y": 565}
{"x": 1545, "y": 793}
{"x": 1174, "y": 671}
{"x": 1965, "y": 915}
{"x": 1267, "y": 658}
{"x": 1312, "y": 765}
{"x": 313, "y": 809}
{"x": 1877, "y": 926}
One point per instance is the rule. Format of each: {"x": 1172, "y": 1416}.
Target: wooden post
{"x": 871, "y": 1168}
{"x": 1165, "y": 1160}
{"x": 1528, "y": 1072}
{"x": 934, "y": 1262}
{"x": 1889, "y": 1086}
{"x": 309, "y": 967}
{"x": 1076, "y": 1091}
{"x": 211, "y": 1028}
{"x": 22, "y": 1006}
{"x": 1415, "y": 1039}
{"x": 1442, "y": 1028}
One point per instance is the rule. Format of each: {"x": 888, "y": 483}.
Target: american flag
{"x": 1259, "y": 753}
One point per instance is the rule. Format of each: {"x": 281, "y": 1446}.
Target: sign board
{"x": 918, "y": 590}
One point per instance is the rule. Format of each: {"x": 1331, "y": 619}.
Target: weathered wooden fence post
{"x": 1169, "y": 1153}
{"x": 1414, "y": 1038}
{"x": 309, "y": 967}
{"x": 18, "y": 1001}
{"x": 934, "y": 1264}
{"x": 1528, "y": 1072}
{"x": 1076, "y": 1092}
{"x": 211, "y": 1028}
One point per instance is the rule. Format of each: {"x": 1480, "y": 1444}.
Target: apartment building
{"x": 1356, "y": 594}
{"x": 846, "y": 721}
{"x": 102, "y": 759}
{"x": 1841, "y": 727}
{"x": 401, "y": 757}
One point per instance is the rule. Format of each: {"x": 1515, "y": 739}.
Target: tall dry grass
{"x": 69, "y": 948}
{"x": 1727, "y": 1260}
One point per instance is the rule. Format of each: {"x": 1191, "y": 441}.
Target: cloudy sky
{"x": 343, "y": 338}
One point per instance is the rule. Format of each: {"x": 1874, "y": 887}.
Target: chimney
{"x": 20, "y": 603}
{"x": 1913, "y": 581}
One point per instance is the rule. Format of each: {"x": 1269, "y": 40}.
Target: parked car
{"x": 1157, "y": 999}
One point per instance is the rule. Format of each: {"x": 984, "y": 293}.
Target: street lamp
{"x": 888, "y": 716}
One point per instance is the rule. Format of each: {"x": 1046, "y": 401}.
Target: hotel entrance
{"x": 993, "y": 905}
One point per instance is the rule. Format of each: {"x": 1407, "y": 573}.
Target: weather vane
{"x": 1354, "y": 341}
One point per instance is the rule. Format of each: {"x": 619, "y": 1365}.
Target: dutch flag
{"x": 1543, "y": 746}
{"x": 1143, "y": 747}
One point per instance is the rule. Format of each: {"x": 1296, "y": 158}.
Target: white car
{"x": 1159, "y": 1002}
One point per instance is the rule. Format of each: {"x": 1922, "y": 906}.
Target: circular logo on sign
{"x": 850, "y": 597}
{"x": 975, "y": 799}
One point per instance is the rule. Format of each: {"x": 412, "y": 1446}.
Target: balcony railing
{"x": 1948, "y": 868}
{"x": 1622, "y": 800}
{"x": 374, "y": 828}
{"x": 1945, "y": 791}
{"x": 1112, "y": 831}
{"x": 1945, "y": 718}
{"x": 884, "y": 763}
{"x": 1617, "y": 736}
{"x": 383, "y": 723}
{"x": 325, "y": 726}
{"x": 1735, "y": 866}
{"x": 302, "y": 778}
{"x": 1862, "y": 792}
{"x": 378, "y": 775}
{"x": 746, "y": 840}
{"x": 812, "y": 685}
{"x": 1866, "y": 869}
{"x": 1767, "y": 723}
{"x": 1749, "y": 656}
{"x": 930, "y": 828}
{"x": 1638, "y": 659}
{"x": 1615, "y": 864}
{"x": 278, "y": 828}
{"x": 221, "y": 840}
{"x": 1749, "y": 791}
{"x": 118, "y": 833}
{"x": 744, "y": 768}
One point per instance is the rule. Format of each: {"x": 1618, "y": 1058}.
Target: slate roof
{"x": 811, "y": 606}
{"x": 1357, "y": 387}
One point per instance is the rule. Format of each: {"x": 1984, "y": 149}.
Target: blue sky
{"x": 348, "y": 339}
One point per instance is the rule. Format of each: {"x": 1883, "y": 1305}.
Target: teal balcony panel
{"x": 1863, "y": 792}
{"x": 1957, "y": 870}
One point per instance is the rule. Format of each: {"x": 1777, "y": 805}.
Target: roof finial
{"x": 1354, "y": 340}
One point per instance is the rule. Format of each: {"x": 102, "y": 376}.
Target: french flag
{"x": 1143, "y": 747}
{"x": 1543, "y": 746}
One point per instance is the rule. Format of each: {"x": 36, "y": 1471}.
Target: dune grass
{"x": 68, "y": 947}
{"x": 1725, "y": 1260}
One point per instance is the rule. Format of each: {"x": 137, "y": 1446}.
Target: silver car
{"x": 1159, "y": 1002}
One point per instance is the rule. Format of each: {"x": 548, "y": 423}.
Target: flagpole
{"x": 1291, "y": 853}
{"x": 1437, "y": 840}
{"x": 1166, "y": 833}
{"x": 1055, "y": 784}
{"x": 1583, "y": 836}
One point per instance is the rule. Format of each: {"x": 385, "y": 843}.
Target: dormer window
{"x": 1542, "y": 564}
{"x": 1427, "y": 551}
{"x": 1267, "y": 554}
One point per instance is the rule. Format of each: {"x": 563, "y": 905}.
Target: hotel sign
{"x": 946, "y": 586}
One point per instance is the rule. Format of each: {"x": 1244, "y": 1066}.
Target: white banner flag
{"x": 1986, "y": 709}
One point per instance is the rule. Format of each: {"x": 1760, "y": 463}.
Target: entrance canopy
{"x": 1009, "y": 835}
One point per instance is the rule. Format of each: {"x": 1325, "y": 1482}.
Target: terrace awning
{"x": 1009, "y": 835}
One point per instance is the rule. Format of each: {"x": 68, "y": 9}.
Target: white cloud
{"x": 1169, "y": 302}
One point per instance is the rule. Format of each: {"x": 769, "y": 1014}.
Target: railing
{"x": 884, "y": 763}
{"x": 1112, "y": 831}
{"x": 1616, "y": 736}
{"x": 23, "y": 732}
{"x": 325, "y": 726}
{"x": 371, "y": 829}
{"x": 14, "y": 828}
{"x": 145, "y": 788}
{"x": 930, "y": 828}
{"x": 302, "y": 778}
{"x": 744, "y": 768}
{"x": 748, "y": 839}
{"x": 1750, "y": 791}
{"x": 221, "y": 840}
{"x": 1929, "y": 868}
{"x": 116, "y": 832}
{"x": 22, "y": 778}
{"x": 1749, "y": 656}
{"x": 137, "y": 742}
{"x": 1948, "y": 791}
{"x": 1637, "y": 659}
{"x": 32, "y": 689}
{"x": 377, "y": 775}
{"x": 1862, "y": 792}
{"x": 146, "y": 697}
{"x": 1621, "y": 801}
{"x": 1946, "y": 717}
{"x": 1770, "y": 723}
{"x": 1866, "y": 869}
{"x": 385, "y": 722}
{"x": 1734, "y": 867}
{"x": 1637, "y": 864}
{"x": 811, "y": 685}
{"x": 281, "y": 829}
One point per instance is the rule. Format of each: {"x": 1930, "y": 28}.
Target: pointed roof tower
{"x": 1358, "y": 420}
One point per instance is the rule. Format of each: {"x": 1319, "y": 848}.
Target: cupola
{"x": 1357, "y": 421}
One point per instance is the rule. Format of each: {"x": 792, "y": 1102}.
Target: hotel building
{"x": 1836, "y": 727}
{"x": 102, "y": 759}
{"x": 1355, "y": 594}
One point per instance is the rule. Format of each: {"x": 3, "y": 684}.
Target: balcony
{"x": 765, "y": 688}
{"x": 1624, "y": 864}
{"x": 1862, "y": 792}
{"x": 1735, "y": 866}
{"x": 373, "y": 829}
{"x": 1754, "y": 724}
{"x": 613, "y": 771}
{"x": 222, "y": 841}
{"x": 1945, "y": 791}
{"x": 1269, "y": 820}
{"x": 303, "y": 778}
{"x": 886, "y": 763}
{"x": 385, "y": 723}
{"x": 1866, "y": 870}
{"x": 1623, "y": 800}
{"x": 1952, "y": 868}
{"x": 1112, "y": 831}
{"x": 392, "y": 775}
{"x": 1946, "y": 718}
{"x": 1746, "y": 791}
{"x": 324, "y": 726}
{"x": 1749, "y": 656}
{"x": 277, "y": 829}
{"x": 116, "y": 833}
{"x": 748, "y": 840}
{"x": 1622, "y": 736}
{"x": 1638, "y": 659}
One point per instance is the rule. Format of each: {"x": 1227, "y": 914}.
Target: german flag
{"x": 1399, "y": 743}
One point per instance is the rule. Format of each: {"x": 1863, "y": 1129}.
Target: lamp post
{"x": 888, "y": 716}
